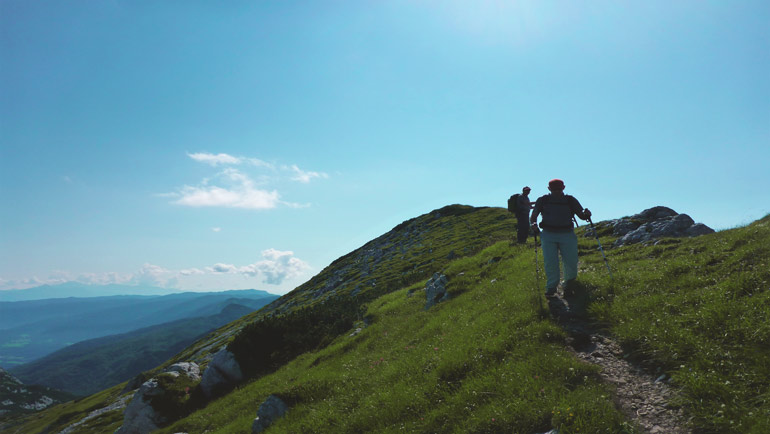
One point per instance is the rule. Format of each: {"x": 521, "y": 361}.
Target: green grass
{"x": 483, "y": 361}
{"x": 59, "y": 417}
{"x": 698, "y": 309}
{"x": 488, "y": 361}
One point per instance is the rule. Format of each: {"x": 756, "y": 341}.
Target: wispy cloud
{"x": 216, "y": 229}
{"x": 234, "y": 187}
{"x": 239, "y": 192}
{"x": 304, "y": 176}
{"x": 214, "y": 159}
{"x": 274, "y": 268}
{"x": 225, "y": 159}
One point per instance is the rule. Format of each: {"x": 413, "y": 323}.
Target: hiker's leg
{"x": 550, "y": 259}
{"x": 522, "y": 228}
{"x": 569, "y": 255}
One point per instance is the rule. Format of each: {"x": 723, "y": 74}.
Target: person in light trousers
{"x": 558, "y": 236}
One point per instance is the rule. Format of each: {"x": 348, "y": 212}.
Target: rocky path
{"x": 644, "y": 397}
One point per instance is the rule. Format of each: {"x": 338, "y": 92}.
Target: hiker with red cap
{"x": 558, "y": 236}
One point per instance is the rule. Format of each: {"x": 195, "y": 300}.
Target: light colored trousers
{"x": 554, "y": 243}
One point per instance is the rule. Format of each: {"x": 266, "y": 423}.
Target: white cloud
{"x": 216, "y": 229}
{"x": 191, "y": 272}
{"x": 224, "y": 159}
{"x": 240, "y": 193}
{"x": 222, "y": 268}
{"x": 304, "y": 176}
{"x": 276, "y": 266}
{"x": 154, "y": 275}
{"x": 214, "y": 159}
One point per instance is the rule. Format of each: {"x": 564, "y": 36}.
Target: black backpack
{"x": 512, "y": 201}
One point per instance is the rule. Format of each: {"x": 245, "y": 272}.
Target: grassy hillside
{"x": 489, "y": 359}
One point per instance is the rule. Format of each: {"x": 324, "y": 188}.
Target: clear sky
{"x": 247, "y": 144}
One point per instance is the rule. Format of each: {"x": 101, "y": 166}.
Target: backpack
{"x": 557, "y": 214}
{"x": 512, "y": 201}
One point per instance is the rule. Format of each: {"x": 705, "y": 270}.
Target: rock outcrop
{"x": 140, "y": 416}
{"x": 435, "y": 290}
{"x": 222, "y": 373}
{"x": 653, "y": 224}
{"x": 270, "y": 410}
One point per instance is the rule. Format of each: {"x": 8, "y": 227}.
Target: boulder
{"x": 222, "y": 373}
{"x": 655, "y": 223}
{"x": 190, "y": 369}
{"x": 435, "y": 290}
{"x": 139, "y": 416}
{"x": 270, "y": 410}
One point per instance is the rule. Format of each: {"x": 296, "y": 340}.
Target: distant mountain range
{"x": 90, "y": 366}
{"x": 32, "y": 329}
{"x": 75, "y": 289}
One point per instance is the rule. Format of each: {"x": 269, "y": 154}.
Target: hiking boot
{"x": 570, "y": 287}
{"x": 550, "y": 293}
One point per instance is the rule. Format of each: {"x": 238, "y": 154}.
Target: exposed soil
{"x": 644, "y": 397}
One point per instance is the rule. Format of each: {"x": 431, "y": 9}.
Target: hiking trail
{"x": 644, "y": 397}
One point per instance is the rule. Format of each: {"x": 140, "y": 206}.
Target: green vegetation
{"x": 57, "y": 418}
{"x": 488, "y": 359}
{"x": 483, "y": 361}
{"x": 698, "y": 310}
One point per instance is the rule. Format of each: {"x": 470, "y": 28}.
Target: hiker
{"x": 523, "y": 205}
{"x": 558, "y": 236}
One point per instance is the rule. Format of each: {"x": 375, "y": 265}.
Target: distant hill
{"x": 32, "y": 329}
{"x": 18, "y": 398}
{"x": 75, "y": 289}
{"x": 90, "y": 366}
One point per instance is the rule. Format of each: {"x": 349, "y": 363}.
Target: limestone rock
{"x": 435, "y": 290}
{"x": 270, "y": 410}
{"x": 190, "y": 369}
{"x": 222, "y": 372}
{"x": 139, "y": 416}
{"x": 655, "y": 223}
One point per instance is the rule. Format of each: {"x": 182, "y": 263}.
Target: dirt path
{"x": 644, "y": 397}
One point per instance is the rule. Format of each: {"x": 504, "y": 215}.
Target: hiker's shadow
{"x": 571, "y": 306}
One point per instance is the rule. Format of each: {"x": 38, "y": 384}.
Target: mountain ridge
{"x": 489, "y": 359}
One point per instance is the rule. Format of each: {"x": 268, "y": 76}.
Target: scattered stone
{"x": 270, "y": 410}
{"x": 435, "y": 290}
{"x": 641, "y": 397}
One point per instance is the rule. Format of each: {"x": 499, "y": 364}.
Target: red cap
{"x": 556, "y": 184}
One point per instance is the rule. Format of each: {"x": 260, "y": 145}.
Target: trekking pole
{"x": 537, "y": 273}
{"x": 593, "y": 228}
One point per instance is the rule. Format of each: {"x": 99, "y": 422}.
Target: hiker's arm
{"x": 536, "y": 212}
{"x": 582, "y": 213}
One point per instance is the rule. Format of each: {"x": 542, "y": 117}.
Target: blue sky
{"x": 208, "y": 146}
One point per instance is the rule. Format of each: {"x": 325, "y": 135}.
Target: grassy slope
{"x": 485, "y": 361}
{"x": 698, "y": 309}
